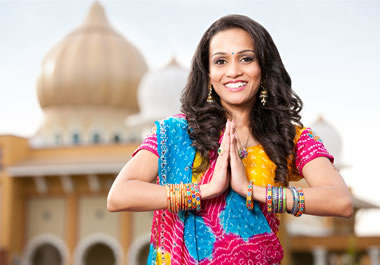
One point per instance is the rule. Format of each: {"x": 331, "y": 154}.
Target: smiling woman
{"x": 235, "y": 74}
{"x": 222, "y": 168}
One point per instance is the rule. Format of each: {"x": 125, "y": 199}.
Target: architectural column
{"x": 374, "y": 255}
{"x": 320, "y": 256}
{"x": 71, "y": 224}
{"x": 125, "y": 233}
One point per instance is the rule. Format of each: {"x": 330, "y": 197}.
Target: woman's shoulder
{"x": 176, "y": 119}
{"x": 306, "y": 132}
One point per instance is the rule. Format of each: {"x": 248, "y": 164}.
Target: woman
{"x": 224, "y": 165}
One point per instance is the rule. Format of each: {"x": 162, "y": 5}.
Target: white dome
{"x": 159, "y": 92}
{"x": 158, "y": 96}
{"x": 330, "y": 137}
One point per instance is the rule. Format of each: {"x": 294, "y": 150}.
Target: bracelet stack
{"x": 250, "y": 201}
{"x": 182, "y": 197}
{"x": 276, "y": 200}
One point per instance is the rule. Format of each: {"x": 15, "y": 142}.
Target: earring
{"x": 263, "y": 94}
{"x": 209, "y": 97}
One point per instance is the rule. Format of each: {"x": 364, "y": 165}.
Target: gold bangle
{"x": 182, "y": 197}
{"x": 177, "y": 198}
{"x": 172, "y": 197}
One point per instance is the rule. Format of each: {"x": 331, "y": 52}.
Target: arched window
{"x": 58, "y": 139}
{"x": 116, "y": 138}
{"x": 96, "y": 139}
{"x": 76, "y": 138}
{"x": 46, "y": 254}
{"x": 99, "y": 254}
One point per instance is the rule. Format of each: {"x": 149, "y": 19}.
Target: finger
{"x": 233, "y": 148}
{"x": 226, "y": 133}
{"x": 226, "y": 154}
{"x": 224, "y": 145}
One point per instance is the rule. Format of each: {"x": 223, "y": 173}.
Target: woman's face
{"x": 234, "y": 70}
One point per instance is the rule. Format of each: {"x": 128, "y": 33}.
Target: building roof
{"x": 106, "y": 159}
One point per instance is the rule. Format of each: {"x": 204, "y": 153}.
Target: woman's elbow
{"x": 347, "y": 208}
{"x": 111, "y": 203}
{"x": 114, "y": 203}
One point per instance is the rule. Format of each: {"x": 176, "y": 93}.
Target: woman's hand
{"x": 221, "y": 177}
{"x": 239, "y": 182}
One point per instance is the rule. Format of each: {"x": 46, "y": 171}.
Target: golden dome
{"x": 93, "y": 66}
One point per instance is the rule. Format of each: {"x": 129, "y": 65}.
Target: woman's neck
{"x": 240, "y": 116}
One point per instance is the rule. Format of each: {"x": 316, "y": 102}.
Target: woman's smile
{"x": 236, "y": 86}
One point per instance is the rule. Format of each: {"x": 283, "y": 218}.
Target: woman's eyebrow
{"x": 224, "y": 53}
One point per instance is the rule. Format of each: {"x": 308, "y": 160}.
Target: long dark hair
{"x": 273, "y": 125}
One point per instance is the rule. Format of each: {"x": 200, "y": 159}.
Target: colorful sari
{"x": 225, "y": 231}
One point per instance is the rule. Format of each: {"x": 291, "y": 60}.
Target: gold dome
{"x": 93, "y": 66}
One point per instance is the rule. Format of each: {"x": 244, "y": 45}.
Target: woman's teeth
{"x": 236, "y": 85}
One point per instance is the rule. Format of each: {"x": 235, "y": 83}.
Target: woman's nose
{"x": 233, "y": 69}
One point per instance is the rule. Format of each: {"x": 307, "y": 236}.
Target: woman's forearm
{"x": 322, "y": 201}
{"x": 136, "y": 195}
{"x": 325, "y": 201}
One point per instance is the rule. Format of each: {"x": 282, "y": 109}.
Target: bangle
{"x": 172, "y": 194}
{"x": 280, "y": 199}
{"x": 302, "y": 202}
{"x": 189, "y": 200}
{"x": 193, "y": 202}
{"x": 168, "y": 196}
{"x": 250, "y": 202}
{"x": 296, "y": 201}
{"x": 275, "y": 199}
{"x": 269, "y": 198}
{"x": 183, "y": 198}
{"x": 198, "y": 197}
{"x": 178, "y": 198}
{"x": 284, "y": 205}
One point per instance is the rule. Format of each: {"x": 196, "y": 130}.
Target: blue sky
{"x": 330, "y": 49}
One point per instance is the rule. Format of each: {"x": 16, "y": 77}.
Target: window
{"x": 58, "y": 139}
{"x": 116, "y": 138}
{"x": 76, "y": 138}
{"x": 96, "y": 138}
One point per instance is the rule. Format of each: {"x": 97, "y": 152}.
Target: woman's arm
{"x": 134, "y": 188}
{"x": 327, "y": 194}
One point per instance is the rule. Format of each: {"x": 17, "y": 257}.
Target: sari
{"x": 224, "y": 231}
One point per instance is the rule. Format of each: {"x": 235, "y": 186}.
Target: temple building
{"x": 99, "y": 100}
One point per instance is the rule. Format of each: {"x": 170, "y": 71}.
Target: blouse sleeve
{"x": 149, "y": 143}
{"x": 308, "y": 147}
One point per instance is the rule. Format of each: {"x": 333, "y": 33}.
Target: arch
{"x": 95, "y": 238}
{"x": 37, "y": 241}
{"x": 136, "y": 247}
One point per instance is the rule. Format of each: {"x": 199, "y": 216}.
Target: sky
{"x": 330, "y": 49}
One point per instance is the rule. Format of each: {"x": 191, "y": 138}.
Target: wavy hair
{"x": 273, "y": 125}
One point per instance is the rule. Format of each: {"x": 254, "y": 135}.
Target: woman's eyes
{"x": 246, "y": 59}
{"x": 220, "y": 61}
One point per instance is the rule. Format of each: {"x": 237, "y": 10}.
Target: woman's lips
{"x": 235, "y": 86}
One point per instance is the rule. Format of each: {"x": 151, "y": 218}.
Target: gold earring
{"x": 209, "y": 97}
{"x": 263, "y": 94}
